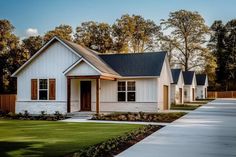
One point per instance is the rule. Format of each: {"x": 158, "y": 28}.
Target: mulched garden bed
{"x": 141, "y": 116}
{"x": 27, "y": 116}
{"x": 117, "y": 145}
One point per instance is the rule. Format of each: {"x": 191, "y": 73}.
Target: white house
{"x": 202, "y": 84}
{"x": 66, "y": 77}
{"x": 190, "y": 85}
{"x": 177, "y": 87}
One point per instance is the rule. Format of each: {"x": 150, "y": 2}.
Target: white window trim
{"x": 126, "y": 90}
{"x": 38, "y": 80}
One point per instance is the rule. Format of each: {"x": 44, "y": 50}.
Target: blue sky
{"x": 44, "y": 15}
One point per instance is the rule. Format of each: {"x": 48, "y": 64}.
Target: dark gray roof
{"x": 136, "y": 64}
{"x": 188, "y": 77}
{"x": 201, "y": 79}
{"x": 92, "y": 57}
{"x": 175, "y": 75}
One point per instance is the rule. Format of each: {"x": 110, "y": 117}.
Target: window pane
{"x": 131, "y": 86}
{"x": 121, "y": 96}
{"x": 43, "y": 84}
{"x": 131, "y": 96}
{"x": 43, "y": 95}
{"x": 121, "y": 86}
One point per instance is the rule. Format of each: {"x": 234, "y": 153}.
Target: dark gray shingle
{"x": 201, "y": 79}
{"x": 175, "y": 75}
{"x": 188, "y": 77}
{"x": 136, "y": 64}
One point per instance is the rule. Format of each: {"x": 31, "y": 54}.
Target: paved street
{"x": 209, "y": 131}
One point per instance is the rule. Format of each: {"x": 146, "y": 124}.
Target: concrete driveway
{"x": 209, "y": 131}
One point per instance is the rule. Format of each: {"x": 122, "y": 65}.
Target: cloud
{"x": 32, "y": 32}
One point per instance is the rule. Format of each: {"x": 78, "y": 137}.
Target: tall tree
{"x": 32, "y": 44}
{"x": 134, "y": 34}
{"x": 188, "y": 35}
{"x": 11, "y": 56}
{"x": 223, "y": 44}
{"x": 230, "y": 42}
{"x": 96, "y": 36}
{"x": 62, "y": 31}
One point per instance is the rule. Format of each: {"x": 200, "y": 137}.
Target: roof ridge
{"x": 104, "y": 54}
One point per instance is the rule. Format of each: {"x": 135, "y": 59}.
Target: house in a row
{"x": 188, "y": 86}
{"x": 177, "y": 87}
{"x": 66, "y": 77}
{"x": 202, "y": 84}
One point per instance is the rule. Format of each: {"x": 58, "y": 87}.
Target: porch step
{"x": 81, "y": 115}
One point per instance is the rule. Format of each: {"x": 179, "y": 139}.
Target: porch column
{"x": 97, "y": 95}
{"x": 68, "y": 93}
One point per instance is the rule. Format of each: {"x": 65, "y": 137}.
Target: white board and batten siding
{"x": 201, "y": 92}
{"x": 164, "y": 79}
{"x": 51, "y": 63}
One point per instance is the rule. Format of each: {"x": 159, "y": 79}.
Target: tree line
{"x": 190, "y": 43}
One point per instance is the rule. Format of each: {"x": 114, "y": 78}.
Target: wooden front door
{"x": 180, "y": 95}
{"x": 193, "y": 94}
{"x": 85, "y": 95}
{"x": 165, "y": 97}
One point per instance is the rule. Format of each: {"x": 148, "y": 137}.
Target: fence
{"x": 224, "y": 94}
{"x": 7, "y": 102}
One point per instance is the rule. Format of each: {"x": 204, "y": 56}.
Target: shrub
{"x": 26, "y": 114}
{"x": 115, "y": 145}
{"x": 145, "y": 117}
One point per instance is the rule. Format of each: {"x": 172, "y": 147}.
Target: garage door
{"x": 165, "y": 97}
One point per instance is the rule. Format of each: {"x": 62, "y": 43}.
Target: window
{"x": 131, "y": 91}
{"x": 121, "y": 91}
{"x": 43, "y": 89}
{"x": 185, "y": 93}
{"x": 126, "y": 91}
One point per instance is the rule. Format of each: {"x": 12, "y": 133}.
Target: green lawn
{"x": 44, "y": 138}
{"x": 183, "y": 107}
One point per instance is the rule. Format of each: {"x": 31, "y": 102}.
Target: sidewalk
{"x": 74, "y": 119}
{"x": 209, "y": 131}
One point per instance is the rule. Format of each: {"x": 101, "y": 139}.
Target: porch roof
{"x": 92, "y": 57}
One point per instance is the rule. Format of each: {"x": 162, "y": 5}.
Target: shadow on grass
{"x": 10, "y": 148}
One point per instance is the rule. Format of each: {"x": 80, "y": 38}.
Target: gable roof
{"x": 201, "y": 79}
{"x": 175, "y": 75}
{"x": 45, "y": 46}
{"x": 86, "y": 53}
{"x": 115, "y": 65}
{"x": 92, "y": 57}
{"x": 136, "y": 64}
{"x": 188, "y": 77}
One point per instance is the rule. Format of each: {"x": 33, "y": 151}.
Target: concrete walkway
{"x": 86, "y": 120}
{"x": 209, "y": 131}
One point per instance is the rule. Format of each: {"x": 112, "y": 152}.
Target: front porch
{"x": 83, "y": 93}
